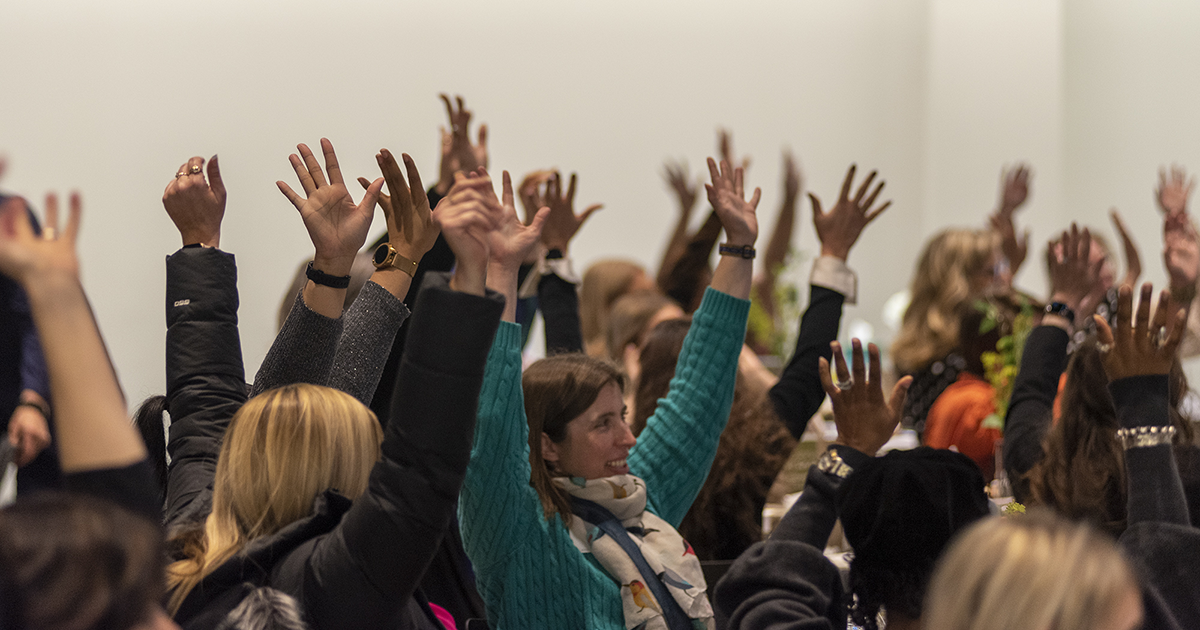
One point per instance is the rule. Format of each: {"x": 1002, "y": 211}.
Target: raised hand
{"x": 28, "y": 433}
{"x": 1133, "y": 260}
{"x": 337, "y": 226}
{"x": 197, "y": 206}
{"x": 466, "y": 219}
{"x": 512, "y": 240}
{"x": 677, "y": 177}
{"x": 727, "y": 195}
{"x": 32, "y": 259}
{"x": 1173, "y": 190}
{"x": 840, "y": 228}
{"x": 1074, "y": 279}
{"x": 1181, "y": 255}
{"x": 410, "y": 225}
{"x": 458, "y": 154}
{"x": 865, "y": 421}
{"x": 533, "y": 198}
{"x": 562, "y": 223}
{"x": 1014, "y": 189}
{"x": 1146, "y": 345}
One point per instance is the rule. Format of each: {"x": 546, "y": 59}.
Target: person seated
{"x": 898, "y": 512}
{"x": 554, "y": 460}
{"x": 326, "y": 516}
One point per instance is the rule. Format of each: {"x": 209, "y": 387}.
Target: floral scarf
{"x": 668, "y": 554}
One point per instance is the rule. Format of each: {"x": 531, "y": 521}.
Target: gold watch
{"x": 387, "y": 256}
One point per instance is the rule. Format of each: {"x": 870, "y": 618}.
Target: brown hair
{"x": 603, "y": 283}
{"x": 77, "y": 562}
{"x": 726, "y": 517}
{"x": 941, "y": 285}
{"x": 630, "y": 315}
{"x": 557, "y": 390}
{"x": 283, "y": 448}
{"x": 1082, "y": 471}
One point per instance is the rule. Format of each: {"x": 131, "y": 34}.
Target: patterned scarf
{"x": 669, "y": 556}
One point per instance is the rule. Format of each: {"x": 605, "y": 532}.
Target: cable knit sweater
{"x": 529, "y": 571}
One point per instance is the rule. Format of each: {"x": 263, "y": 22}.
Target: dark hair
{"x": 557, "y": 390}
{"x": 1082, "y": 471}
{"x": 149, "y": 422}
{"x": 726, "y": 516}
{"x": 77, "y": 562}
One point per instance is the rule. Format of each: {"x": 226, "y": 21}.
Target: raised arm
{"x": 678, "y": 179}
{"x": 384, "y": 543}
{"x": 781, "y": 238}
{"x": 798, "y": 394}
{"x": 1138, "y": 362}
{"x": 785, "y": 581}
{"x": 93, "y": 431}
{"x": 1181, "y": 250}
{"x": 558, "y": 296}
{"x": 205, "y": 379}
{"x": 675, "y": 450}
{"x": 304, "y": 348}
{"x": 1014, "y": 190}
{"x": 1072, "y": 279}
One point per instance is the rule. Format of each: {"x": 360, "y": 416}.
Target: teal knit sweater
{"x": 528, "y": 570}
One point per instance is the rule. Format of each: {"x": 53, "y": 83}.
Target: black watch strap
{"x": 326, "y": 280}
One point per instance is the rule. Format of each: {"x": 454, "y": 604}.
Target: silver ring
{"x": 845, "y": 385}
{"x": 195, "y": 169}
{"x": 1103, "y": 348}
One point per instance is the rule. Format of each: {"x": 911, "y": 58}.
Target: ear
{"x": 549, "y": 449}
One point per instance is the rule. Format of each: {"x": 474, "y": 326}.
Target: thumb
{"x": 214, "y": 178}
{"x": 587, "y": 212}
{"x": 372, "y": 195}
{"x": 540, "y": 220}
{"x": 899, "y": 393}
{"x": 1103, "y": 331}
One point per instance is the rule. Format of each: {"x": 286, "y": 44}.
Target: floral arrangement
{"x": 1001, "y": 366}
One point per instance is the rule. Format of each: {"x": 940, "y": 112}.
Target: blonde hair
{"x": 941, "y": 285}
{"x": 283, "y": 448}
{"x": 603, "y": 283}
{"x": 1034, "y": 571}
{"x": 629, "y": 318}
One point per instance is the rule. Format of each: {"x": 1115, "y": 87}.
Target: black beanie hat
{"x": 900, "y": 510}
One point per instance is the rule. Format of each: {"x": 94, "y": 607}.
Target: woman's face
{"x": 597, "y": 443}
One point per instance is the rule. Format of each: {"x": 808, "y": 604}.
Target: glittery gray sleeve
{"x": 303, "y": 350}
{"x": 371, "y": 325}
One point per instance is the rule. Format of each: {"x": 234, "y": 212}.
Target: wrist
{"x": 334, "y": 266}
{"x": 556, "y": 244}
{"x": 836, "y": 252}
{"x": 204, "y": 240}
{"x": 1071, "y": 301}
{"x": 470, "y": 279}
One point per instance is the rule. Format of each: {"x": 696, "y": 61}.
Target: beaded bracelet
{"x": 1141, "y": 437}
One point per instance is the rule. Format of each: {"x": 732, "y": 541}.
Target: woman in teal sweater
{"x": 579, "y": 530}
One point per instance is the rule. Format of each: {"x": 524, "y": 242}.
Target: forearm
{"x": 328, "y": 301}
{"x": 393, "y": 280}
{"x": 502, "y": 278}
{"x": 1155, "y": 491}
{"x": 366, "y": 341}
{"x": 781, "y": 239}
{"x": 733, "y": 276}
{"x": 303, "y": 350}
{"x": 798, "y": 394}
{"x": 93, "y": 432}
{"x": 1029, "y": 408}
{"x": 559, "y": 302}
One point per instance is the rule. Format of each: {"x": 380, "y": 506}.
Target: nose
{"x": 627, "y": 439}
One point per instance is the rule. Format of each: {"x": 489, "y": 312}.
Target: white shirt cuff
{"x": 833, "y": 274}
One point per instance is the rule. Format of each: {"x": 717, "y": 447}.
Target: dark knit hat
{"x": 901, "y": 510}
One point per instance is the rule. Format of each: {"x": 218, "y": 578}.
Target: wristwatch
{"x": 833, "y": 464}
{"x": 387, "y": 256}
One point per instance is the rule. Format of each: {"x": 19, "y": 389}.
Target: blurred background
{"x": 938, "y": 95}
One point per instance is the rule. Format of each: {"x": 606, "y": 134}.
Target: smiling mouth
{"x": 617, "y": 463}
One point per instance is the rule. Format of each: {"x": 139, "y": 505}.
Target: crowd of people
{"x": 396, "y": 464}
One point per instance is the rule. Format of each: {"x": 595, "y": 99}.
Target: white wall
{"x": 111, "y": 97}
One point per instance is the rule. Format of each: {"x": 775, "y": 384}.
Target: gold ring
{"x": 180, "y": 174}
{"x": 195, "y": 169}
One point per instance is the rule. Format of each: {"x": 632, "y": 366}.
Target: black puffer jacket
{"x": 349, "y": 565}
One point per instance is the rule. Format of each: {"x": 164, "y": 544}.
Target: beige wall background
{"x": 109, "y": 98}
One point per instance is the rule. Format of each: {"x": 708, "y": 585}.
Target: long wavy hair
{"x": 283, "y": 448}
{"x": 942, "y": 284}
{"x": 557, "y": 390}
{"x": 1034, "y": 571}
{"x": 1082, "y": 471}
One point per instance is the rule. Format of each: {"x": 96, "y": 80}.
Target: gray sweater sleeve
{"x": 302, "y": 352}
{"x": 370, "y": 327}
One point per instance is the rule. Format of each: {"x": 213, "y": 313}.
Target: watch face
{"x": 381, "y": 253}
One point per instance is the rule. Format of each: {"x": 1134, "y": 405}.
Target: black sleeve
{"x": 1155, "y": 491}
{"x": 785, "y": 581}
{"x": 559, "y": 302}
{"x": 131, "y": 487}
{"x": 686, "y": 281}
{"x": 1031, "y": 406}
{"x": 798, "y": 394}
{"x": 365, "y": 570}
{"x": 206, "y": 382}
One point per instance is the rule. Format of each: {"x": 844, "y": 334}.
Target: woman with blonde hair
{"x": 300, "y": 490}
{"x": 1035, "y": 571}
{"x": 603, "y": 283}
{"x": 956, "y": 267}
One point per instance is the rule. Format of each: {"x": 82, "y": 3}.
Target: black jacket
{"x": 349, "y": 565}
